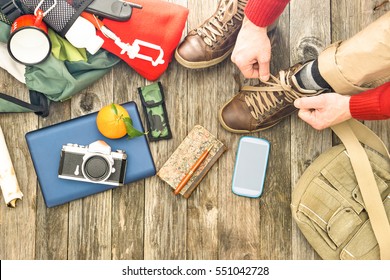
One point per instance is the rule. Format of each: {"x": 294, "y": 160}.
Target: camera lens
{"x": 96, "y": 168}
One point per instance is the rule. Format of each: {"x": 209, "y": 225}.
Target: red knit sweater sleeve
{"x": 373, "y": 104}
{"x": 264, "y": 12}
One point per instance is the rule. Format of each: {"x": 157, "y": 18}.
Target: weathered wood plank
{"x": 275, "y": 215}
{"x": 203, "y": 93}
{"x": 90, "y": 217}
{"x": 52, "y": 223}
{"x": 128, "y": 205}
{"x": 165, "y": 214}
{"x": 309, "y": 35}
{"x": 17, "y": 226}
{"x": 238, "y": 217}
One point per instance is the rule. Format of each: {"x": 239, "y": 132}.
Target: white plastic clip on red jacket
{"x": 133, "y": 51}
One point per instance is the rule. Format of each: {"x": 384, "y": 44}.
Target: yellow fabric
{"x": 63, "y": 50}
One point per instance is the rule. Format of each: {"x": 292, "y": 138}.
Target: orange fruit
{"x": 110, "y": 121}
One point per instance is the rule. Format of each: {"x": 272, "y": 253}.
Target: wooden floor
{"x": 143, "y": 220}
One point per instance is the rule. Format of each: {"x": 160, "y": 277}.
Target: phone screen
{"x": 250, "y": 167}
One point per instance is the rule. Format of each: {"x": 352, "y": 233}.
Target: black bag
{"x": 62, "y": 13}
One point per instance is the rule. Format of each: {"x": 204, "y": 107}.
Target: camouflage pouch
{"x": 153, "y": 104}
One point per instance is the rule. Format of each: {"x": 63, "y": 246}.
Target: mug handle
{"x": 38, "y": 18}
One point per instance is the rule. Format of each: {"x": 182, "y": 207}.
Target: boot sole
{"x": 201, "y": 64}
{"x": 239, "y": 131}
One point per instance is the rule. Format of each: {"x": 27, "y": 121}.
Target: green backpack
{"x": 54, "y": 79}
{"x": 342, "y": 201}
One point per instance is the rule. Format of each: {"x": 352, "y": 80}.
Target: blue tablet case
{"x": 45, "y": 148}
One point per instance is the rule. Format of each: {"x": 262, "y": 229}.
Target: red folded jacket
{"x": 149, "y": 38}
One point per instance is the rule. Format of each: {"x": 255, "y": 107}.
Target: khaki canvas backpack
{"x": 342, "y": 201}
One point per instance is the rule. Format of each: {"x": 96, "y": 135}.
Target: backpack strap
{"x": 350, "y": 132}
{"x": 368, "y": 137}
{"x": 39, "y": 103}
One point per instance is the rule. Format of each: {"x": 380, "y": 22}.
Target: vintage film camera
{"x": 95, "y": 163}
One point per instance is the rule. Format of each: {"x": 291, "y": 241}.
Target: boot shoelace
{"x": 223, "y": 19}
{"x": 263, "y": 99}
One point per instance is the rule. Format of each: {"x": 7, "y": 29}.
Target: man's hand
{"x": 324, "y": 110}
{"x": 252, "y": 52}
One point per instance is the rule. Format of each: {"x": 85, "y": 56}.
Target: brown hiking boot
{"x": 213, "y": 41}
{"x": 260, "y": 107}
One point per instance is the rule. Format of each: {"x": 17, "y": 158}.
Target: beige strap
{"x": 347, "y": 131}
{"x": 368, "y": 137}
{"x": 331, "y": 73}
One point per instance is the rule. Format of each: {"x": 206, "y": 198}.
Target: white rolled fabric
{"x": 8, "y": 181}
{"x": 13, "y": 67}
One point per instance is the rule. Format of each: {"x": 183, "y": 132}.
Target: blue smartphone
{"x": 250, "y": 166}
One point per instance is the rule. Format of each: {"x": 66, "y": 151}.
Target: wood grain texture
{"x": 165, "y": 214}
{"x": 128, "y": 202}
{"x": 310, "y": 33}
{"x": 90, "y": 217}
{"x": 275, "y": 216}
{"x": 17, "y": 225}
{"x": 52, "y": 223}
{"x": 144, "y": 220}
{"x": 203, "y": 90}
